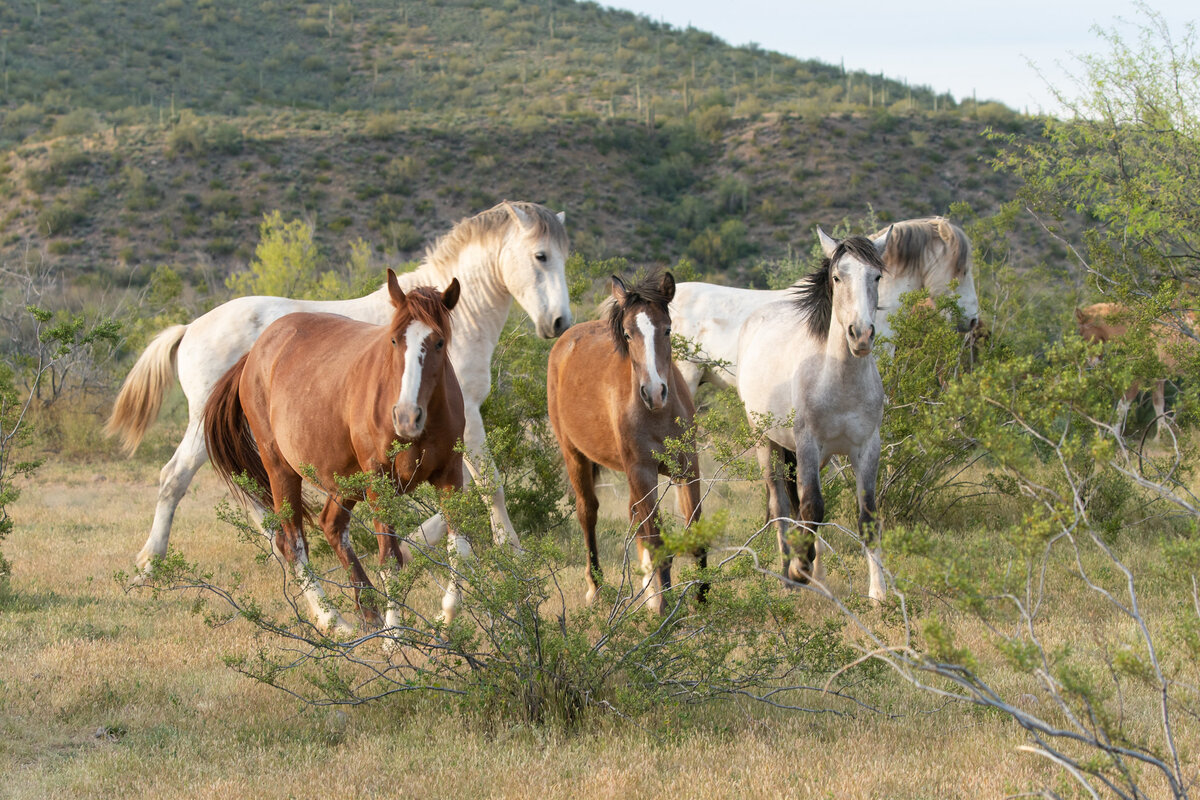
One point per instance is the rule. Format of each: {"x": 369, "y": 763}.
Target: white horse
{"x": 930, "y": 253}
{"x": 807, "y": 358}
{"x": 514, "y": 250}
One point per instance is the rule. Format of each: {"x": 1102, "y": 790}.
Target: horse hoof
{"x": 592, "y": 593}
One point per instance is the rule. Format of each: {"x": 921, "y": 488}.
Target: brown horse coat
{"x": 1106, "y": 322}
{"x": 613, "y": 404}
{"x": 331, "y": 394}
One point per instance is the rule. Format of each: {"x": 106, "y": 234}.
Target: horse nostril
{"x": 645, "y": 395}
{"x": 420, "y": 416}
{"x": 560, "y": 325}
{"x": 664, "y": 393}
{"x": 872, "y": 331}
{"x": 853, "y": 335}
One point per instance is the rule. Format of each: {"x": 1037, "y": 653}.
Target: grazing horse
{"x": 335, "y": 395}
{"x": 1104, "y": 322}
{"x": 614, "y": 398}
{"x": 808, "y": 359}
{"x": 929, "y": 253}
{"x": 514, "y": 250}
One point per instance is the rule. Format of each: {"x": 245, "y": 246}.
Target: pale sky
{"x": 961, "y": 47}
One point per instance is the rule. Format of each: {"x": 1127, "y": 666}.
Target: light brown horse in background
{"x": 343, "y": 397}
{"x": 1104, "y": 322}
{"x": 614, "y": 398}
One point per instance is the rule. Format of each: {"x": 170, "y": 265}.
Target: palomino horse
{"x": 333, "y": 394}
{"x": 515, "y": 250}
{"x": 929, "y": 253}
{"x": 1104, "y": 322}
{"x": 614, "y": 398}
{"x": 808, "y": 359}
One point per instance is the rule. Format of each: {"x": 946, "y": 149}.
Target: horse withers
{"x": 336, "y": 396}
{"x": 808, "y": 358}
{"x": 615, "y": 399}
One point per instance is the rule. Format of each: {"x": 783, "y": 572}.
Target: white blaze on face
{"x": 414, "y": 363}
{"x": 647, "y": 328}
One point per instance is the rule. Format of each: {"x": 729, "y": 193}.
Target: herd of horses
{"x": 284, "y": 391}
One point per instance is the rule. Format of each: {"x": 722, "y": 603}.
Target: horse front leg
{"x": 581, "y": 472}
{"x": 866, "y": 469}
{"x": 781, "y": 509}
{"x": 291, "y": 548}
{"x": 335, "y": 522}
{"x": 458, "y": 546}
{"x": 643, "y": 513}
{"x": 686, "y": 478}
{"x": 479, "y": 467}
{"x": 806, "y": 564}
{"x": 394, "y": 555}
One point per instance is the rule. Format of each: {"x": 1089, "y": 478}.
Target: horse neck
{"x": 485, "y": 301}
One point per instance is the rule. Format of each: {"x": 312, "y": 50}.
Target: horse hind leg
{"x": 173, "y": 482}
{"x": 582, "y": 473}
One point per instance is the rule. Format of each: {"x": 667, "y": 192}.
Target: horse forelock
{"x": 813, "y": 294}
{"x": 645, "y": 293}
{"x": 486, "y": 227}
{"x": 424, "y": 304}
{"x": 908, "y": 246}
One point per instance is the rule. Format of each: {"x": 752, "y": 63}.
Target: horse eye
{"x": 628, "y": 337}
{"x": 393, "y": 342}
{"x": 836, "y": 279}
{"x": 540, "y": 257}
{"x": 667, "y": 332}
{"x": 877, "y": 277}
{"x": 440, "y": 343}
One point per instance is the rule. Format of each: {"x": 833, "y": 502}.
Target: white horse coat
{"x": 926, "y": 253}
{"x": 514, "y": 250}
{"x": 808, "y": 359}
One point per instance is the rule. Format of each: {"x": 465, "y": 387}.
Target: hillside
{"x": 141, "y": 133}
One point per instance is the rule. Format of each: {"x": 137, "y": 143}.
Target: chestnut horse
{"x": 614, "y": 398}
{"x": 335, "y": 395}
{"x": 1104, "y": 322}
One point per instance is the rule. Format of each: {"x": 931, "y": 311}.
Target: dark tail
{"x": 230, "y": 444}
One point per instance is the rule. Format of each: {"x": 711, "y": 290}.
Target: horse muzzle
{"x": 552, "y": 329}
{"x": 408, "y": 422}
{"x": 860, "y": 338}
{"x": 654, "y": 397}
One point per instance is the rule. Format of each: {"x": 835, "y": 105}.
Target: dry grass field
{"x": 113, "y": 693}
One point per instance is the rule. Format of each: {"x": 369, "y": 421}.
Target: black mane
{"x": 647, "y": 292}
{"x": 813, "y": 294}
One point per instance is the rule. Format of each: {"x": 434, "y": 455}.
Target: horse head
{"x": 533, "y": 265}
{"x": 641, "y": 328}
{"x": 854, "y": 267}
{"x": 420, "y": 332}
{"x": 934, "y": 254}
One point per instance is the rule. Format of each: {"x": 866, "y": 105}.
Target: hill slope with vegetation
{"x": 144, "y": 133}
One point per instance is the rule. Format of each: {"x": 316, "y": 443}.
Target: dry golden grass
{"x": 105, "y": 693}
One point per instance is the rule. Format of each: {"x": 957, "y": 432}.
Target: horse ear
{"x": 618, "y": 289}
{"x": 450, "y": 296}
{"x": 518, "y": 216}
{"x": 562, "y": 217}
{"x": 394, "y": 289}
{"x": 667, "y": 287}
{"x": 1080, "y": 316}
{"x": 881, "y": 242}
{"x": 828, "y": 243}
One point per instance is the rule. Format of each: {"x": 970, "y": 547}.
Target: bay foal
{"x": 615, "y": 398}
